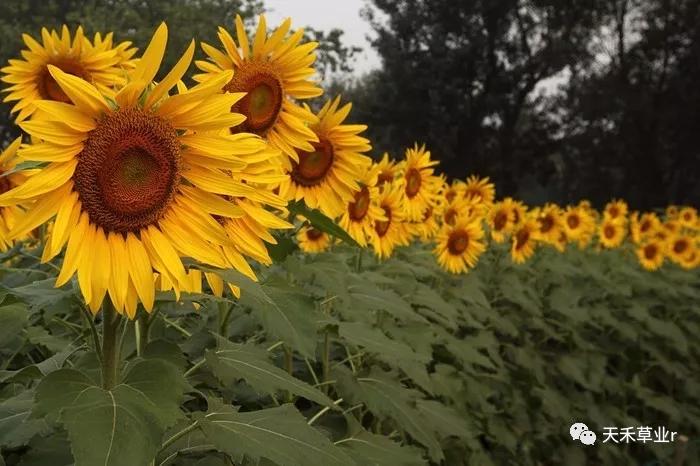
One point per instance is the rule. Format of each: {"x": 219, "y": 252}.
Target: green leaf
{"x": 53, "y": 450}
{"x": 166, "y": 351}
{"x": 279, "y": 434}
{"x": 284, "y": 247}
{"x": 162, "y": 384}
{"x": 377, "y": 450}
{"x": 41, "y": 336}
{"x": 320, "y": 221}
{"x": 16, "y": 427}
{"x": 233, "y": 361}
{"x": 367, "y": 296}
{"x": 13, "y": 318}
{"x": 385, "y": 397}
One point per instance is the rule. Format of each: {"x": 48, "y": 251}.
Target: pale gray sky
{"x": 325, "y": 15}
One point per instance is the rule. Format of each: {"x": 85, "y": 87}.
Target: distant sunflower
{"x": 137, "y": 181}
{"x": 612, "y": 231}
{"x": 461, "y": 207}
{"x": 393, "y": 231}
{"x": 550, "y": 224}
{"x": 459, "y": 246}
{"x": 501, "y": 219}
{"x": 651, "y": 254}
{"x": 101, "y": 65}
{"x": 452, "y": 190}
{"x": 312, "y": 240}
{"x": 672, "y": 212}
{"x": 692, "y": 260}
{"x": 679, "y": 247}
{"x": 388, "y": 170}
{"x": 480, "y": 188}
{"x": 326, "y": 177}
{"x": 429, "y": 226}
{"x": 271, "y": 71}
{"x": 524, "y": 240}
{"x": 420, "y": 183}
{"x": 362, "y": 211}
{"x": 579, "y": 225}
{"x": 9, "y": 180}
{"x": 616, "y": 210}
{"x": 688, "y": 218}
{"x": 642, "y": 226}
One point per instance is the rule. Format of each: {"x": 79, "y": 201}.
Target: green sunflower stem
{"x": 326, "y": 359}
{"x": 110, "y": 350}
{"x": 141, "y": 329}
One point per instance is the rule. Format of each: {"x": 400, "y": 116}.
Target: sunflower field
{"x": 207, "y": 265}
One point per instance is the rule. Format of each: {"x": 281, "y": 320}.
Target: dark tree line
{"x": 553, "y": 99}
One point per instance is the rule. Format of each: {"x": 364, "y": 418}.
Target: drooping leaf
{"x": 279, "y": 434}
{"x": 377, "y": 450}
{"x": 320, "y": 221}
{"x": 13, "y": 318}
{"x": 16, "y": 427}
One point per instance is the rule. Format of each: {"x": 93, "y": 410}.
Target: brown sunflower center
{"x": 614, "y": 212}
{"x": 516, "y": 216}
{"x": 687, "y": 216}
{"x": 609, "y": 231}
{"x": 573, "y": 221}
{"x": 128, "y": 171}
{"x": 313, "y": 166}
{"x": 48, "y": 87}
{"x": 650, "y": 251}
{"x": 5, "y": 184}
{"x": 313, "y": 234}
{"x": 358, "y": 209}
{"x": 263, "y": 100}
{"x": 450, "y": 195}
{"x": 546, "y": 224}
{"x": 450, "y": 216}
{"x": 680, "y": 246}
{"x": 382, "y": 226}
{"x": 471, "y": 193}
{"x": 413, "y": 182}
{"x": 500, "y": 220}
{"x": 428, "y": 213}
{"x": 521, "y": 238}
{"x": 645, "y": 226}
{"x": 385, "y": 177}
{"x": 458, "y": 242}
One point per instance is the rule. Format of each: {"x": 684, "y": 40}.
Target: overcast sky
{"x": 325, "y": 15}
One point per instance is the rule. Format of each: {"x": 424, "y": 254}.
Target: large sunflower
{"x": 326, "y": 177}
{"x": 362, "y": 211}
{"x": 138, "y": 181}
{"x": 459, "y": 246}
{"x": 8, "y": 180}
{"x": 420, "y": 183}
{"x": 612, "y": 231}
{"x": 394, "y": 231}
{"x": 579, "y": 224}
{"x": 272, "y": 70}
{"x": 100, "y": 64}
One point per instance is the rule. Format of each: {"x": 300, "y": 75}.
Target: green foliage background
{"x": 339, "y": 359}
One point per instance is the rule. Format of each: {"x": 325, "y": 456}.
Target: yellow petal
{"x": 140, "y": 271}
{"x": 82, "y": 94}
{"x": 149, "y": 63}
{"x": 163, "y": 87}
{"x": 66, "y": 113}
{"x": 74, "y": 251}
{"x": 119, "y": 278}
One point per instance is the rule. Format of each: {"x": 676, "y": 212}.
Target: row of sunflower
{"x": 131, "y": 176}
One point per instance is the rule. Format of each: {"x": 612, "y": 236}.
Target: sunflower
{"x": 679, "y": 247}
{"x": 271, "y": 70}
{"x": 138, "y": 181}
{"x": 9, "y": 180}
{"x": 313, "y": 240}
{"x": 579, "y": 224}
{"x": 362, "y": 211}
{"x": 326, "y": 177}
{"x": 651, "y": 254}
{"x": 524, "y": 240}
{"x": 459, "y": 246}
{"x": 688, "y": 217}
{"x": 550, "y": 226}
{"x": 481, "y": 189}
{"x": 420, "y": 184}
{"x": 612, "y": 231}
{"x": 616, "y": 210}
{"x": 388, "y": 170}
{"x": 501, "y": 219}
{"x": 450, "y": 191}
{"x": 429, "y": 226}
{"x": 394, "y": 231}
{"x": 100, "y": 64}
{"x": 672, "y": 212}
{"x": 691, "y": 260}
{"x": 460, "y": 207}
{"x": 642, "y": 226}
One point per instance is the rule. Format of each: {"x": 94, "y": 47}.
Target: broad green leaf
{"x": 377, "y": 450}
{"x": 166, "y": 351}
{"x": 53, "y": 450}
{"x": 279, "y": 434}
{"x": 233, "y": 361}
{"x": 162, "y": 384}
{"x": 16, "y": 427}
{"x": 13, "y": 318}
{"x": 320, "y": 221}
{"x": 366, "y": 296}
{"x": 385, "y": 397}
